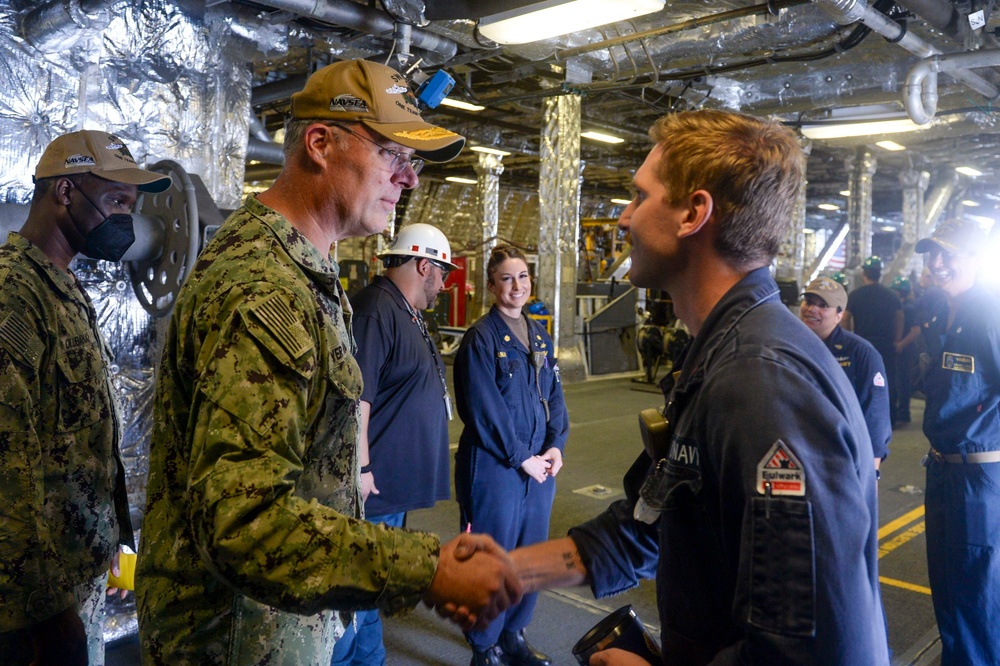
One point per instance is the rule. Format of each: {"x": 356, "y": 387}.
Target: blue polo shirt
{"x": 866, "y": 372}
{"x": 408, "y": 425}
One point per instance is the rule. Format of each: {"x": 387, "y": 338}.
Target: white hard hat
{"x": 421, "y": 240}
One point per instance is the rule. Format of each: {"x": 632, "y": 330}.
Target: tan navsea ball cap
{"x": 378, "y": 96}
{"x": 955, "y": 235}
{"x": 830, "y": 291}
{"x": 99, "y": 153}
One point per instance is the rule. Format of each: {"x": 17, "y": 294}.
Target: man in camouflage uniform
{"x": 63, "y": 507}
{"x": 252, "y": 538}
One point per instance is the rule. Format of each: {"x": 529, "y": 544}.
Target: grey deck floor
{"x": 603, "y": 442}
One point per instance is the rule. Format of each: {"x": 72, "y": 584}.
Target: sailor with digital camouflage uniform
{"x": 253, "y": 537}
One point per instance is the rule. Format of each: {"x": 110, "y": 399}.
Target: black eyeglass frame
{"x": 398, "y": 161}
{"x": 445, "y": 268}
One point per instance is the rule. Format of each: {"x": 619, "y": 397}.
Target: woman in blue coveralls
{"x": 511, "y": 403}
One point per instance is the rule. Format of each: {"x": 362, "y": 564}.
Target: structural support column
{"x": 791, "y": 255}
{"x": 859, "y": 237}
{"x": 914, "y": 184}
{"x": 559, "y": 211}
{"x": 488, "y": 170}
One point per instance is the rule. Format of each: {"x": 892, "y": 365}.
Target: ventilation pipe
{"x": 268, "y": 152}
{"x": 920, "y": 95}
{"x": 56, "y": 26}
{"x": 943, "y": 16}
{"x": 364, "y": 19}
{"x": 846, "y": 12}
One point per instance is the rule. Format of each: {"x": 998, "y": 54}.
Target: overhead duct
{"x": 847, "y": 12}
{"x": 268, "y": 152}
{"x": 942, "y": 15}
{"x": 920, "y": 94}
{"x": 58, "y": 25}
{"x": 364, "y": 19}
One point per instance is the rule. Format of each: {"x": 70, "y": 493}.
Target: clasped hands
{"x": 474, "y": 582}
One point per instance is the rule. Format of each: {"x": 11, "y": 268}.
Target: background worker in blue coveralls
{"x": 962, "y": 422}
{"x": 874, "y": 313}
{"x": 907, "y": 349}
{"x": 63, "y": 504}
{"x": 822, "y": 308}
{"x": 405, "y": 406}
{"x": 756, "y": 510}
{"x": 511, "y": 448}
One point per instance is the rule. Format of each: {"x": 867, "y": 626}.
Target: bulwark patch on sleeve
{"x": 878, "y": 380}
{"x": 17, "y": 338}
{"x": 781, "y": 472}
{"x": 281, "y": 321}
{"x": 959, "y": 362}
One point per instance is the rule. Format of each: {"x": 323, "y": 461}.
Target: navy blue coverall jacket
{"x": 962, "y": 503}
{"x": 502, "y": 395}
{"x": 864, "y": 368}
{"x": 765, "y": 550}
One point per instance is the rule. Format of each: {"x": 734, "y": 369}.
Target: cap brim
{"x": 429, "y": 142}
{"x": 145, "y": 181}
{"x": 928, "y": 244}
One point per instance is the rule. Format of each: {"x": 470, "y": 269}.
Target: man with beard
{"x": 405, "y": 406}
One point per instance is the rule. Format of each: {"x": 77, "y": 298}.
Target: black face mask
{"x": 110, "y": 239}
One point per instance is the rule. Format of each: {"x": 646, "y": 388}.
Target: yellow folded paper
{"x": 126, "y": 581}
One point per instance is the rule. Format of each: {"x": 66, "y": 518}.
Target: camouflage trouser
{"x": 90, "y": 602}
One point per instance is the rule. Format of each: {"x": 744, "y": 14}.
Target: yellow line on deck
{"x": 903, "y": 584}
{"x": 900, "y": 522}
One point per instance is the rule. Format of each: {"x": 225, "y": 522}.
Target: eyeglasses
{"x": 399, "y": 160}
{"x": 445, "y": 269}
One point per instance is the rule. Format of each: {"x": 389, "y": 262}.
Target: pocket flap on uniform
{"x": 783, "y": 567}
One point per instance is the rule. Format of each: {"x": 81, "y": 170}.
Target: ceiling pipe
{"x": 847, "y": 12}
{"x": 257, "y": 129}
{"x": 920, "y": 94}
{"x": 941, "y": 15}
{"x": 364, "y": 19}
{"x": 277, "y": 91}
{"x": 267, "y": 152}
{"x": 58, "y": 25}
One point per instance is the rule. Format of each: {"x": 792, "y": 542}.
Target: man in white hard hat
{"x": 405, "y": 406}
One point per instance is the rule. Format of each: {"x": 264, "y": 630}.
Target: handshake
{"x": 474, "y": 582}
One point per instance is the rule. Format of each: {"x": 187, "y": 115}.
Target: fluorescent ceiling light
{"x": 969, "y": 171}
{"x": 600, "y": 136}
{"x": 845, "y": 193}
{"x": 845, "y": 130}
{"x": 459, "y": 179}
{"x": 623, "y": 202}
{"x": 489, "y": 151}
{"x": 828, "y": 206}
{"x": 888, "y": 228}
{"x": 459, "y": 104}
{"x": 970, "y": 202}
{"x": 890, "y": 145}
{"x": 552, "y": 18}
